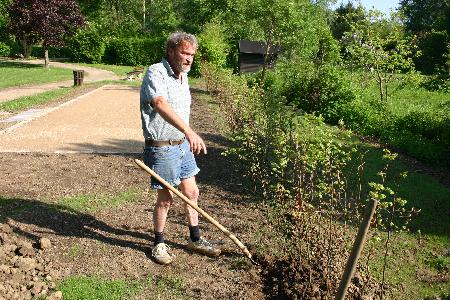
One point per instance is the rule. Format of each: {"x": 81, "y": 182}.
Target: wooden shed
{"x": 251, "y": 56}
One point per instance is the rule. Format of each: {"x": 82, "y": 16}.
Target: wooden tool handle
{"x": 194, "y": 206}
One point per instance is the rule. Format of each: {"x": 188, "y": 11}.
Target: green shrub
{"x": 434, "y": 48}
{"x": 87, "y": 46}
{"x": 322, "y": 90}
{"x": 135, "y": 51}
{"x": 5, "y": 50}
{"x": 212, "y": 47}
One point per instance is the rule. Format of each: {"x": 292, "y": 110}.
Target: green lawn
{"x": 17, "y": 74}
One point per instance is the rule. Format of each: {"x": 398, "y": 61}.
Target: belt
{"x": 153, "y": 143}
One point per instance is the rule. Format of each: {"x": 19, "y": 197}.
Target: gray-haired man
{"x": 170, "y": 143}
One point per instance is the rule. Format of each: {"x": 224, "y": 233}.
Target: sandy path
{"x": 105, "y": 120}
{"x": 90, "y": 75}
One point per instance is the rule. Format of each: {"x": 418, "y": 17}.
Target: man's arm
{"x": 163, "y": 108}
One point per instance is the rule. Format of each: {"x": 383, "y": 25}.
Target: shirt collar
{"x": 168, "y": 68}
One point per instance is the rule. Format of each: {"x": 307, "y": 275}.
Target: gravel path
{"x": 90, "y": 75}
{"x": 105, "y": 120}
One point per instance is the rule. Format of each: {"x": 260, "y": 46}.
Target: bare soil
{"x": 116, "y": 242}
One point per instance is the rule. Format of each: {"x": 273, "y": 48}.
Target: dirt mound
{"x": 24, "y": 273}
{"x": 296, "y": 278}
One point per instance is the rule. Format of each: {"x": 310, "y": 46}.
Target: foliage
{"x": 59, "y": 52}
{"x": 314, "y": 88}
{"x": 50, "y": 22}
{"x": 87, "y": 45}
{"x": 434, "y": 49}
{"x": 413, "y": 120}
{"x": 426, "y": 15}
{"x": 430, "y": 21}
{"x": 4, "y": 18}
{"x": 212, "y": 46}
{"x": 135, "y": 51}
{"x": 115, "y": 18}
{"x": 378, "y": 46}
{"x": 297, "y": 164}
{"x": 344, "y": 16}
{"x": 5, "y": 50}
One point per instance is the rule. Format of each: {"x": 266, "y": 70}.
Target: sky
{"x": 382, "y": 5}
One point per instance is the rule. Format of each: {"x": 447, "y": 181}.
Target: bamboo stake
{"x": 350, "y": 267}
{"x": 198, "y": 209}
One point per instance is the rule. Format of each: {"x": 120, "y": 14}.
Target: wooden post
{"x": 352, "y": 261}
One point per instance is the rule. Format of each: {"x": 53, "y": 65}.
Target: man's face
{"x": 181, "y": 58}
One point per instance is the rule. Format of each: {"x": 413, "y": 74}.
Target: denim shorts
{"x": 172, "y": 163}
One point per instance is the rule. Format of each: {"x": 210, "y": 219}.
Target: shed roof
{"x": 246, "y": 46}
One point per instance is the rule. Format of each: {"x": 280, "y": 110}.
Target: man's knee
{"x": 164, "y": 199}
{"x": 192, "y": 193}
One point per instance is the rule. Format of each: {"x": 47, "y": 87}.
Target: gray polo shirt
{"x": 161, "y": 81}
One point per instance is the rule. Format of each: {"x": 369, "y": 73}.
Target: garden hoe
{"x": 200, "y": 211}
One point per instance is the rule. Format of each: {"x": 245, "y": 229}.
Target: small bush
{"x": 322, "y": 90}
{"x": 87, "y": 46}
{"x": 212, "y": 47}
{"x": 433, "y": 46}
{"x": 135, "y": 51}
{"x": 5, "y": 50}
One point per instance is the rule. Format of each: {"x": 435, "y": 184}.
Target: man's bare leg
{"x": 198, "y": 244}
{"x": 189, "y": 188}
{"x": 163, "y": 202}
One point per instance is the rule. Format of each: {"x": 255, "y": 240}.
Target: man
{"x": 170, "y": 144}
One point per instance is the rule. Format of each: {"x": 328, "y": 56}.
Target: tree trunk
{"x": 26, "y": 48}
{"x": 46, "y": 58}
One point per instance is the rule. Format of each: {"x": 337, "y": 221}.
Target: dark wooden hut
{"x": 251, "y": 56}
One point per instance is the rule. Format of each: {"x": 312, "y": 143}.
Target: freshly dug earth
{"x": 114, "y": 242}
{"x": 24, "y": 272}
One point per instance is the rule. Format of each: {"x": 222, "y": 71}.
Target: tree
{"x": 344, "y": 16}
{"x": 425, "y": 15}
{"x": 296, "y": 26}
{"x": 429, "y": 20}
{"x": 379, "y": 46}
{"x": 49, "y": 21}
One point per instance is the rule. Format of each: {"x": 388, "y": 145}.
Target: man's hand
{"x": 195, "y": 142}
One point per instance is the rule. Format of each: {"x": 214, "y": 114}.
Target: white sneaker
{"x": 161, "y": 255}
{"x": 203, "y": 246}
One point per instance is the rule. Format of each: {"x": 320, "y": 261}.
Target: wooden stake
{"x": 352, "y": 261}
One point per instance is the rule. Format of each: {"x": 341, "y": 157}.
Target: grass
{"x": 27, "y": 102}
{"x": 419, "y": 256}
{"x": 93, "y": 203}
{"x": 75, "y": 251}
{"x": 16, "y": 74}
{"x": 413, "y": 119}
{"x": 98, "y": 288}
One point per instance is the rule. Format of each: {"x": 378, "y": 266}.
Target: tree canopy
{"x": 47, "y": 21}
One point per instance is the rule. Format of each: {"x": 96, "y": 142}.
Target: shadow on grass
{"x": 64, "y": 221}
{"x": 18, "y": 64}
{"x": 421, "y": 191}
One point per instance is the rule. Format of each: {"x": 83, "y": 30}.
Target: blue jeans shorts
{"x": 172, "y": 163}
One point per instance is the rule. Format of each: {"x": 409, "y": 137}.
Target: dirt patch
{"x": 115, "y": 242}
